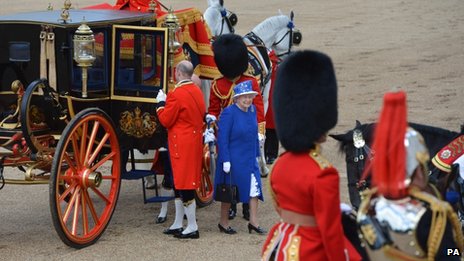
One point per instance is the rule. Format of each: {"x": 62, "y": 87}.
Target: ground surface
{"x": 376, "y": 46}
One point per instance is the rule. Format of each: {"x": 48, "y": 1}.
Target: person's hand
{"x": 345, "y": 207}
{"x": 208, "y": 135}
{"x": 210, "y": 118}
{"x": 161, "y": 97}
{"x": 226, "y": 167}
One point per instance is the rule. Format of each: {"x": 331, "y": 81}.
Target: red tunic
{"x": 306, "y": 183}
{"x": 222, "y": 92}
{"x": 183, "y": 118}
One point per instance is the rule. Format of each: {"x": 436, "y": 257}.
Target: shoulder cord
{"x": 440, "y": 211}
{"x": 223, "y": 97}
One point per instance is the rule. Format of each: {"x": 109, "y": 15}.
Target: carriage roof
{"x": 91, "y": 16}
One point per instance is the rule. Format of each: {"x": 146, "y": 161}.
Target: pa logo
{"x": 453, "y": 252}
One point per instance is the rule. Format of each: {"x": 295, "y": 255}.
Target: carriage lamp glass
{"x": 172, "y": 23}
{"x": 84, "y": 51}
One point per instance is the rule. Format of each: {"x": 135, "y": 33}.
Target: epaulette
{"x": 319, "y": 159}
{"x": 449, "y": 154}
{"x": 247, "y": 73}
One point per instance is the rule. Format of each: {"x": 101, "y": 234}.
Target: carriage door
{"x": 139, "y": 71}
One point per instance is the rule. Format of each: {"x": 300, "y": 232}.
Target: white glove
{"x": 208, "y": 135}
{"x": 345, "y": 207}
{"x": 226, "y": 167}
{"x": 261, "y": 139}
{"x": 210, "y": 118}
{"x": 161, "y": 97}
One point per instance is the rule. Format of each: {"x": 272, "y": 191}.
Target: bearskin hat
{"x": 230, "y": 55}
{"x": 304, "y": 99}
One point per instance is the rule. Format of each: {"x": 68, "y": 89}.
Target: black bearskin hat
{"x": 230, "y": 55}
{"x": 304, "y": 99}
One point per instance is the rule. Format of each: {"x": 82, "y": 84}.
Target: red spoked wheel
{"x": 85, "y": 178}
{"x": 204, "y": 194}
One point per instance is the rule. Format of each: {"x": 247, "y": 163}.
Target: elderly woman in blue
{"x": 238, "y": 147}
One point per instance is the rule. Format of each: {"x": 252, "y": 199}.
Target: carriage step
{"x": 158, "y": 199}
{"x": 136, "y": 174}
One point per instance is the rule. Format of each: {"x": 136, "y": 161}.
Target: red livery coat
{"x": 183, "y": 117}
{"x": 222, "y": 91}
{"x": 307, "y": 184}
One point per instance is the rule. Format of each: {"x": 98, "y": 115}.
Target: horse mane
{"x": 270, "y": 24}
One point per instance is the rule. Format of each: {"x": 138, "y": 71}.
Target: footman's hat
{"x": 230, "y": 55}
{"x": 304, "y": 99}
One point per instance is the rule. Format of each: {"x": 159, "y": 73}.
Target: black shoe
{"x": 258, "y": 229}
{"x": 228, "y": 230}
{"x": 160, "y": 220}
{"x": 174, "y": 231}
{"x": 192, "y": 235}
{"x": 232, "y": 214}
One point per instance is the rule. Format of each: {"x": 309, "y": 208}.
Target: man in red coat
{"x": 182, "y": 114}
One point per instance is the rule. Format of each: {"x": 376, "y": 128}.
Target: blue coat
{"x": 238, "y": 143}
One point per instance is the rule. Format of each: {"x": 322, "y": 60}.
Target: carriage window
{"x": 20, "y": 51}
{"x": 97, "y": 73}
{"x": 139, "y": 59}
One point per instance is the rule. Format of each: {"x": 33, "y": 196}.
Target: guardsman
{"x": 231, "y": 57}
{"x": 304, "y": 185}
{"x": 398, "y": 219}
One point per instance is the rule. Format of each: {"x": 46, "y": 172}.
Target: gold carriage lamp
{"x": 172, "y": 23}
{"x": 84, "y": 51}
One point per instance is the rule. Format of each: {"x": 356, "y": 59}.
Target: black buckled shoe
{"x": 160, "y": 220}
{"x": 192, "y": 235}
{"x": 174, "y": 231}
{"x": 227, "y": 230}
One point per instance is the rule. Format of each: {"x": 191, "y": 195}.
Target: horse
{"x": 267, "y": 43}
{"x": 355, "y": 144}
{"x": 219, "y": 19}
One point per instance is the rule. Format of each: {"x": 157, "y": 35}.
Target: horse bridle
{"x": 361, "y": 151}
{"x": 229, "y": 18}
{"x": 294, "y": 39}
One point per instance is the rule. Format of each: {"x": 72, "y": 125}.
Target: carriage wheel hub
{"x": 91, "y": 179}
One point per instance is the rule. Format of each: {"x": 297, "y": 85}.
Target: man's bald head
{"x": 184, "y": 70}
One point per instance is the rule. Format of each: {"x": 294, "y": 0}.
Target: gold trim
{"x": 164, "y": 84}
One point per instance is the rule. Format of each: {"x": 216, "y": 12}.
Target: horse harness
{"x": 229, "y": 18}
{"x": 294, "y": 39}
{"x": 259, "y": 66}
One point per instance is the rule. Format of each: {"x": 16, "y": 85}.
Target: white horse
{"x": 219, "y": 19}
{"x": 277, "y": 34}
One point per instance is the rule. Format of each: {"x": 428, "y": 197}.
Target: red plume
{"x": 389, "y": 163}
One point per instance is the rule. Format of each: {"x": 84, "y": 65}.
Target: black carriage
{"x": 77, "y": 93}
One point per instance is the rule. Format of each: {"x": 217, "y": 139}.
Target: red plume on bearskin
{"x": 230, "y": 55}
{"x": 304, "y": 99}
{"x": 389, "y": 163}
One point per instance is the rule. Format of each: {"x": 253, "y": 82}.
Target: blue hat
{"x": 243, "y": 88}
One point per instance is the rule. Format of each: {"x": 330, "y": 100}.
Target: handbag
{"x": 226, "y": 193}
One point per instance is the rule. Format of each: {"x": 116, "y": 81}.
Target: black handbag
{"x": 226, "y": 193}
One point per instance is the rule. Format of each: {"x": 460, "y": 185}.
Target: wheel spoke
{"x": 91, "y": 143}
{"x": 83, "y": 140}
{"x": 85, "y": 223}
{"x": 103, "y": 197}
{"x": 75, "y": 220}
{"x": 98, "y": 149}
{"x": 75, "y": 148}
{"x": 92, "y": 209}
{"x": 70, "y": 162}
{"x": 102, "y": 161}
{"x": 67, "y": 192}
{"x": 67, "y": 211}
